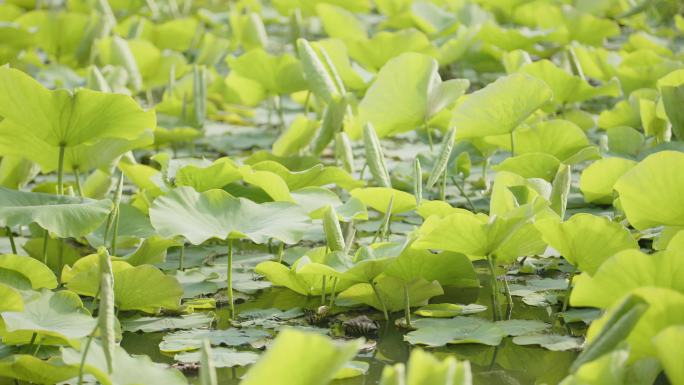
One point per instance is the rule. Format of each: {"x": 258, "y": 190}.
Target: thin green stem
{"x": 463, "y": 193}
{"x": 46, "y": 237}
{"x": 379, "y": 298}
{"x": 332, "y": 293}
{"x": 31, "y": 342}
{"x": 77, "y": 178}
{"x": 306, "y": 103}
{"x": 60, "y": 169}
{"x": 325, "y": 277}
{"x": 81, "y": 366}
{"x": 230, "y": 279}
{"x": 11, "y": 239}
{"x": 428, "y": 131}
{"x": 60, "y": 257}
{"x": 407, "y": 307}
{"x": 181, "y": 258}
{"x": 509, "y": 298}
{"x": 496, "y": 309}
{"x": 281, "y": 252}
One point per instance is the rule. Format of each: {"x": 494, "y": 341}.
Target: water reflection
{"x": 506, "y": 364}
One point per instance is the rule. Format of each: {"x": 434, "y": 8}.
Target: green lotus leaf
{"x": 672, "y": 93}
{"x": 56, "y": 317}
{"x": 435, "y": 332}
{"x": 215, "y": 214}
{"x": 510, "y": 39}
{"x": 560, "y": 138}
{"x": 555, "y": 342}
{"x": 340, "y": 23}
{"x": 318, "y": 175}
{"x": 55, "y": 261}
{"x": 66, "y": 119}
{"x": 128, "y": 370}
{"x": 39, "y": 275}
{"x": 359, "y": 271}
{"x": 597, "y": 180}
{"x": 189, "y": 340}
{"x": 568, "y": 88}
{"x": 625, "y": 140}
{"x": 586, "y": 240}
{"x": 391, "y": 290}
{"x": 520, "y": 327}
{"x": 11, "y": 299}
{"x": 25, "y": 367}
{"x": 276, "y": 74}
{"x": 316, "y": 199}
{"x": 448, "y": 268}
{"x": 652, "y": 193}
{"x": 448, "y": 310}
{"x": 667, "y": 344}
{"x": 297, "y": 136}
{"x": 500, "y": 107}
{"x": 379, "y": 198}
{"x": 144, "y": 287}
{"x": 531, "y": 165}
{"x": 610, "y": 368}
{"x": 222, "y": 357}
{"x": 300, "y": 358}
{"x": 352, "y": 369}
{"x": 60, "y": 34}
{"x": 666, "y": 308}
{"x": 62, "y": 215}
{"x": 425, "y": 368}
{"x": 16, "y": 172}
{"x": 408, "y": 110}
{"x": 375, "y": 52}
{"x": 625, "y": 271}
{"x": 306, "y": 280}
{"x": 148, "y": 324}
{"x": 507, "y": 237}
{"x": 642, "y": 69}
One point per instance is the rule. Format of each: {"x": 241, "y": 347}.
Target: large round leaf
{"x": 57, "y": 317}
{"x": 597, "y": 180}
{"x": 216, "y": 214}
{"x": 36, "y": 121}
{"x": 64, "y": 216}
{"x": 652, "y": 193}
{"x": 392, "y": 110}
{"x": 500, "y": 107}
{"x": 35, "y": 271}
{"x": 586, "y": 240}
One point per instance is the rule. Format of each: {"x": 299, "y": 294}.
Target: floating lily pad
{"x": 188, "y": 340}
{"x": 459, "y": 330}
{"x": 156, "y": 324}
{"x": 221, "y": 357}
{"x": 553, "y": 342}
{"x": 449, "y": 310}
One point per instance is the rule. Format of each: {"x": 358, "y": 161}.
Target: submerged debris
{"x": 318, "y": 317}
{"x": 360, "y": 326}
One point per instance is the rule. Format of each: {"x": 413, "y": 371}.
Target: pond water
{"x": 505, "y": 364}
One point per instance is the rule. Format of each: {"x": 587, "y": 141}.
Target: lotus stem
{"x": 323, "y": 290}
{"x": 281, "y": 252}
{"x": 363, "y": 170}
{"x": 46, "y": 237}
{"x": 181, "y": 258}
{"x": 77, "y": 178}
{"x": 566, "y": 296}
{"x": 11, "y": 239}
{"x": 379, "y": 298}
{"x": 428, "y": 131}
{"x": 60, "y": 169}
{"x": 230, "y": 279}
{"x": 509, "y": 298}
{"x": 60, "y": 258}
{"x": 306, "y": 103}
{"x": 81, "y": 366}
{"x": 407, "y": 307}
{"x": 332, "y": 293}
{"x": 442, "y": 188}
{"x": 32, "y": 341}
{"x": 463, "y": 193}
{"x": 495, "y": 289}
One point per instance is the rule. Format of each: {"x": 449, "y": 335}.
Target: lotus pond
{"x": 312, "y": 192}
